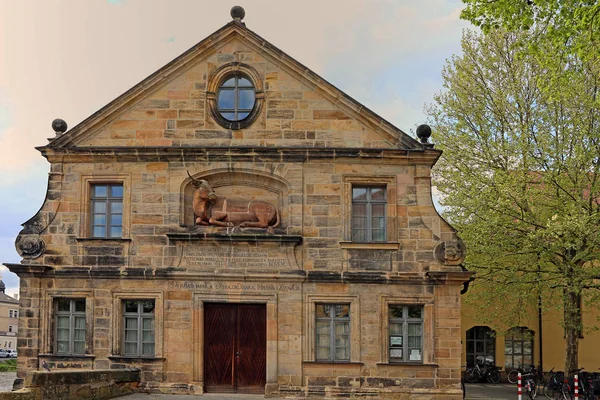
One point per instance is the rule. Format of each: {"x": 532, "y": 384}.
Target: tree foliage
{"x": 572, "y": 23}
{"x": 520, "y": 175}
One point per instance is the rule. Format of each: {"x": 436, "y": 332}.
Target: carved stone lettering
{"x": 235, "y": 286}
{"x": 238, "y": 257}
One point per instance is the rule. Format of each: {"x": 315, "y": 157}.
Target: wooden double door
{"x": 235, "y": 348}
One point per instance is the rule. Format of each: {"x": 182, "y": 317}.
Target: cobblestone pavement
{"x": 6, "y": 381}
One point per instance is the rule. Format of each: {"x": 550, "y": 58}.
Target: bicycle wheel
{"x": 566, "y": 393}
{"x": 493, "y": 376}
{"x": 550, "y": 391}
{"x": 513, "y": 376}
{"x": 471, "y": 375}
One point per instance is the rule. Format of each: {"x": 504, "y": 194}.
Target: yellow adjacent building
{"x": 539, "y": 339}
{"x": 9, "y": 319}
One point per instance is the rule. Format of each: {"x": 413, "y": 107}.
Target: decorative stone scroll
{"x": 450, "y": 253}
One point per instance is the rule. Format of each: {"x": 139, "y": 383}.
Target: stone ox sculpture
{"x": 211, "y": 210}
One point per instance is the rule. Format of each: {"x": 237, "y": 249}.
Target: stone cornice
{"x": 444, "y": 277}
{"x": 237, "y": 154}
{"x": 218, "y": 237}
{"x": 28, "y": 270}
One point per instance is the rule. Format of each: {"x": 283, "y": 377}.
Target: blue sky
{"x": 68, "y": 58}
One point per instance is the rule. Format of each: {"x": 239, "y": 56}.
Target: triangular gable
{"x": 339, "y": 102}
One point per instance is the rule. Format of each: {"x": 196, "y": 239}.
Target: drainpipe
{"x": 540, "y": 330}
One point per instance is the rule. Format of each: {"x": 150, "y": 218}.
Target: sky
{"x": 68, "y": 58}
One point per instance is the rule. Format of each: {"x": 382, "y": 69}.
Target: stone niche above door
{"x": 237, "y": 187}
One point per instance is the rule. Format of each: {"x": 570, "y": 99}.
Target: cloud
{"x": 115, "y": 2}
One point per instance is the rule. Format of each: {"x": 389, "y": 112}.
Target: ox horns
{"x": 195, "y": 182}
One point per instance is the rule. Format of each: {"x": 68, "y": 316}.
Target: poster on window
{"x": 415, "y": 355}
{"x": 396, "y": 341}
{"x": 396, "y": 353}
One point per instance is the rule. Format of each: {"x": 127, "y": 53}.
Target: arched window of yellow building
{"x": 481, "y": 345}
{"x": 518, "y": 347}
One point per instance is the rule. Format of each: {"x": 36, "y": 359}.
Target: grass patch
{"x": 8, "y": 365}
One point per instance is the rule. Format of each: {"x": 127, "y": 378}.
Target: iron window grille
{"x": 405, "y": 333}
{"x": 236, "y": 98}
{"x": 332, "y": 332}
{"x": 138, "y": 327}
{"x": 107, "y": 211}
{"x": 369, "y": 214}
{"x": 69, "y": 326}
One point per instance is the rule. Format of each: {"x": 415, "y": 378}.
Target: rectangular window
{"x": 10, "y": 313}
{"x": 107, "y": 211}
{"x": 138, "y": 327}
{"x": 10, "y": 328}
{"x": 16, "y": 313}
{"x": 69, "y": 326}
{"x": 405, "y": 333}
{"x": 332, "y": 332}
{"x": 369, "y": 214}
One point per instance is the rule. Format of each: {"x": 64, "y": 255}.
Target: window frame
{"x": 236, "y": 89}
{"x": 109, "y": 201}
{"x": 87, "y": 181}
{"x": 490, "y": 339}
{"x": 140, "y": 317}
{"x": 333, "y": 322}
{"x": 391, "y": 210}
{"x": 118, "y": 321}
{"x": 369, "y": 203}
{"x": 405, "y": 320}
{"x": 309, "y": 348}
{"x": 519, "y": 334}
{"x": 72, "y": 314}
{"x": 220, "y": 76}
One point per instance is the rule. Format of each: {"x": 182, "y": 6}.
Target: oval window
{"x": 236, "y": 98}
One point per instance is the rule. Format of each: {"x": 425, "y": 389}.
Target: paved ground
{"x": 474, "y": 391}
{"x": 186, "y": 397}
{"x": 6, "y": 381}
{"x": 501, "y": 391}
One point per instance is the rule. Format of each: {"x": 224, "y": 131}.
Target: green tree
{"x": 519, "y": 176}
{"x": 572, "y": 23}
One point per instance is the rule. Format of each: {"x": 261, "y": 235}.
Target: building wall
{"x": 299, "y": 163}
{"x": 553, "y": 341}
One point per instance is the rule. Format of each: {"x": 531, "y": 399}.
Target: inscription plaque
{"x": 238, "y": 256}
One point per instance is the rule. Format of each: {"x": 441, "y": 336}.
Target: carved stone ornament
{"x": 209, "y": 209}
{"x": 30, "y": 245}
{"x": 450, "y": 253}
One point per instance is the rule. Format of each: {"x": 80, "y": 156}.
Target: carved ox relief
{"x": 209, "y": 209}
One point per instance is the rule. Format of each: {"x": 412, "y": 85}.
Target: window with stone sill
{"x": 69, "y": 326}
{"x": 138, "y": 328}
{"x": 332, "y": 332}
{"x": 370, "y": 203}
{"x": 106, "y": 210}
{"x": 405, "y": 333}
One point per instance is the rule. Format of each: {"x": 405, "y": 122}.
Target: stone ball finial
{"x": 59, "y": 126}
{"x": 238, "y": 13}
{"x": 424, "y": 133}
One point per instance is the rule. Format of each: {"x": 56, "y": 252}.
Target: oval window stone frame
{"x": 219, "y": 77}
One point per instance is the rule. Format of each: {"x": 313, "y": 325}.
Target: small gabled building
{"x": 235, "y": 223}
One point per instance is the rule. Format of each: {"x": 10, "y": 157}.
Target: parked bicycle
{"x": 538, "y": 374}
{"x": 554, "y": 384}
{"x": 529, "y": 385}
{"x": 489, "y": 371}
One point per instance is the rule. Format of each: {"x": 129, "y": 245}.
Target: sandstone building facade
{"x": 235, "y": 223}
